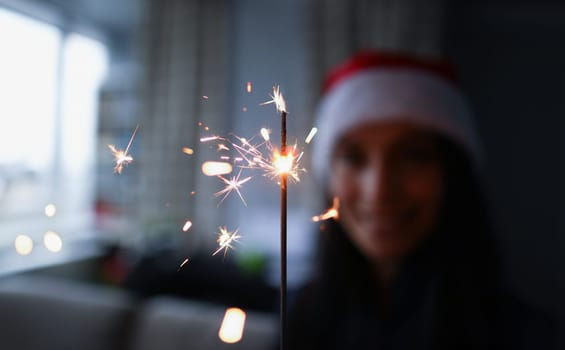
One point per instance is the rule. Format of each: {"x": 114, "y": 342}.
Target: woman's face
{"x": 389, "y": 179}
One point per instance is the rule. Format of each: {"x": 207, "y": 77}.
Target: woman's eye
{"x": 352, "y": 158}
{"x": 419, "y": 155}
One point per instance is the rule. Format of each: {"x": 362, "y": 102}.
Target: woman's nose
{"x": 378, "y": 184}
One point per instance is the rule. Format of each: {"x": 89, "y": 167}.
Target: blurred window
{"x": 49, "y": 82}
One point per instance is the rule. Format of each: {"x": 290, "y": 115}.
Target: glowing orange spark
{"x": 233, "y": 184}
{"x": 222, "y": 147}
{"x": 311, "y": 135}
{"x": 249, "y": 87}
{"x": 225, "y": 240}
{"x": 331, "y": 213}
{"x": 187, "y": 150}
{"x": 277, "y": 99}
{"x": 263, "y": 157}
{"x": 282, "y": 163}
{"x": 122, "y": 158}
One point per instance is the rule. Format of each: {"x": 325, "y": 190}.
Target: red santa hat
{"x": 382, "y": 87}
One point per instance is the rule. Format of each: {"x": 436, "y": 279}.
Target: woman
{"x": 411, "y": 261}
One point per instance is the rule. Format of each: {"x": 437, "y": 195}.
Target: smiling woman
{"x": 411, "y": 263}
{"x": 390, "y": 182}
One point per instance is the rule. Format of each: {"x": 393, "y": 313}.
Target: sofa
{"x": 38, "y": 312}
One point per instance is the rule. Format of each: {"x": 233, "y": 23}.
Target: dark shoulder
{"x": 520, "y": 325}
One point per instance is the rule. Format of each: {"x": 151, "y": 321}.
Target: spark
{"x": 282, "y": 163}
{"x": 187, "y": 226}
{"x": 287, "y": 164}
{"x": 222, "y": 147}
{"x": 122, "y": 158}
{"x": 249, "y": 87}
{"x": 182, "y": 264}
{"x": 244, "y": 109}
{"x": 216, "y": 168}
{"x": 231, "y": 329}
{"x": 188, "y": 151}
{"x": 311, "y": 134}
{"x": 331, "y": 213}
{"x": 258, "y": 156}
{"x": 209, "y": 138}
{"x": 265, "y": 133}
{"x": 277, "y": 99}
{"x": 233, "y": 184}
{"x": 225, "y": 240}
{"x": 205, "y": 97}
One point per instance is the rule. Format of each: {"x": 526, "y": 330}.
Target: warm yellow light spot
{"x": 216, "y": 168}
{"x": 187, "y": 226}
{"x": 52, "y": 241}
{"x": 283, "y": 163}
{"x": 265, "y": 133}
{"x": 249, "y": 87}
{"x": 231, "y": 330}
{"x": 23, "y": 244}
{"x": 331, "y": 213}
{"x": 50, "y": 210}
{"x": 187, "y": 150}
{"x": 311, "y": 134}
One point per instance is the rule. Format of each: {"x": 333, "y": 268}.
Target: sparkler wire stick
{"x": 283, "y": 232}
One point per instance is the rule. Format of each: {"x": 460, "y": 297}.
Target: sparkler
{"x": 253, "y": 155}
{"x": 283, "y": 163}
{"x": 122, "y": 158}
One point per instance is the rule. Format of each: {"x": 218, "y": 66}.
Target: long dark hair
{"x": 463, "y": 247}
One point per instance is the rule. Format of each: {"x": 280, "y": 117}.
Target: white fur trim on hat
{"x": 391, "y": 95}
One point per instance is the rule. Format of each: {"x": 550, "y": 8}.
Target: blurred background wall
{"x": 180, "y": 70}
